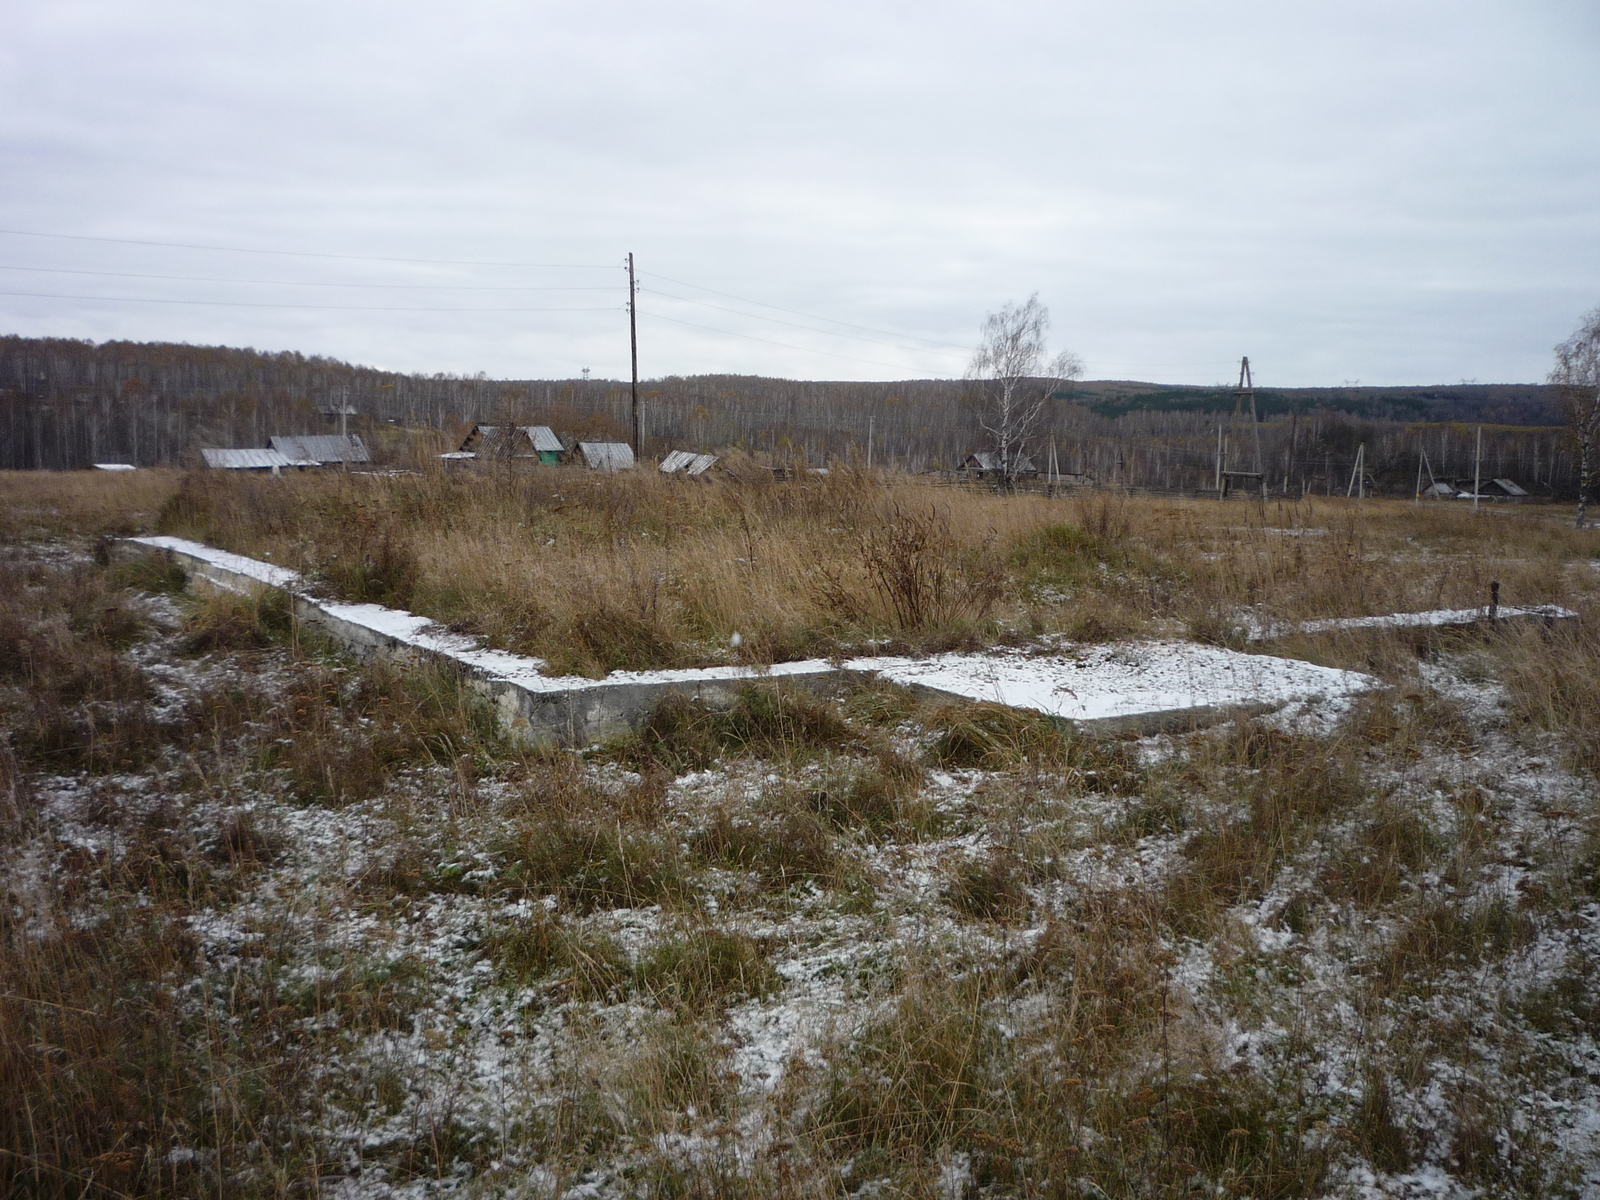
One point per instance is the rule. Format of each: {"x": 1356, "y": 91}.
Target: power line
{"x": 786, "y": 345}
{"x": 796, "y": 325}
{"x": 431, "y": 287}
{"x": 315, "y": 307}
{"x": 442, "y": 262}
{"x": 815, "y": 317}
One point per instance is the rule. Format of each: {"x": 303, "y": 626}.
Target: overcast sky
{"x": 1393, "y": 192}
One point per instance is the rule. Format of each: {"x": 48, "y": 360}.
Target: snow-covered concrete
{"x": 1135, "y": 685}
{"x": 1436, "y": 618}
{"x": 1131, "y": 685}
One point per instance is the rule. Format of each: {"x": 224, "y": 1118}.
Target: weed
{"x": 990, "y": 888}
{"x": 765, "y": 720}
{"x": 705, "y": 969}
{"x": 792, "y": 847}
{"x": 157, "y": 572}
{"x": 993, "y": 737}
{"x": 918, "y": 1079}
{"x": 586, "y": 966}
{"x": 588, "y": 867}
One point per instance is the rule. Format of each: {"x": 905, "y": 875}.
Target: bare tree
{"x": 1577, "y": 374}
{"x": 1013, "y": 380}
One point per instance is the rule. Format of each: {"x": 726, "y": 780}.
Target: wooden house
{"x": 526, "y": 441}
{"x": 985, "y": 464}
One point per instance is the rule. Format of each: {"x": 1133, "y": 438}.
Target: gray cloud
{"x": 1395, "y": 192}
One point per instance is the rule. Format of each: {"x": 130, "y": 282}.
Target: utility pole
{"x": 1358, "y": 477}
{"x": 1477, "y": 469}
{"x": 869, "y": 441}
{"x": 633, "y": 344}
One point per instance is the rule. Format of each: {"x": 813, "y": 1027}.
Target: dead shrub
{"x": 920, "y": 577}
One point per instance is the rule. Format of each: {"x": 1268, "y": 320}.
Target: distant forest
{"x": 65, "y": 404}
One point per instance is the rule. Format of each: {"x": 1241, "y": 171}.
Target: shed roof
{"x": 321, "y": 448}
{"x": 244, "y": 460}
{"x": 1510, "y": 488}
{"x": 688, "y": 462}
{"x": 115, "y": 467}
{"x": 607, "y": 456}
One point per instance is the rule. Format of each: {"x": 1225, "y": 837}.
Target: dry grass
{"x": 595, "y": 573}
{"x": 1041, "y": 955}
{"x": 35, "y": 504}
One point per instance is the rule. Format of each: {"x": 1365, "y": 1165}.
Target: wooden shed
{"x": 606, "y": 456}
{"x": 687, "y": 462}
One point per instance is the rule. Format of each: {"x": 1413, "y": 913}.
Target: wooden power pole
{"x": 633, "y": 345}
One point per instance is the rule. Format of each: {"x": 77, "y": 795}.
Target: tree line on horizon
{"x": 65, "y": 404}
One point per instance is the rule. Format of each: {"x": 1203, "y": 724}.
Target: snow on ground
{"x": 1098, "y": 683}
{"x": 495, "y": 1055}
{"x": 1436, "y": 618}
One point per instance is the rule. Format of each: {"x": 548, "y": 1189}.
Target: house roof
{"x": 243, "y": 460}
{"x": 541, "y": 438}
{"x": 321, "y": 448}
{"x": 988, "y": 460}
{"x": 607, "y": 456}
{"x": 688, "y": 462}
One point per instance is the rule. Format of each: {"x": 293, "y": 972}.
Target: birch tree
{"x": 1577, "y": 374}
{"x": 1012, "y": 379}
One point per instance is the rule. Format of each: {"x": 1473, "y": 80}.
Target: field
{"x": 281, "y": 924}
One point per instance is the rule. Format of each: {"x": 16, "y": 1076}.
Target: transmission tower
{"x": 1245, "y": 390}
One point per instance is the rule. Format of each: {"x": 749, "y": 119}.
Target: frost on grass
{"x": 927, "y": 947}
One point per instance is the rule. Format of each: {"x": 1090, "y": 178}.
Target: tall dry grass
{"x": 596, "y": 573}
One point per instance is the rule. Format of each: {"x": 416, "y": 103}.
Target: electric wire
{"x": 814, "y": 316}
{"x": 443, "y": 262}
{"x": 311, "y": 307}
{"x": 768, "y": 341}
{"x": 796, "y": 325}
{"x": 431, "y": 287}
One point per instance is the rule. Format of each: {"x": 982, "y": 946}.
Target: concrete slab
{"x": 1137, "y": 686}
{"x": 1142, "y": 687}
